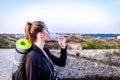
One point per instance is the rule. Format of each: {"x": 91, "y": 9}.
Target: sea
{"x": 54, "y": 35}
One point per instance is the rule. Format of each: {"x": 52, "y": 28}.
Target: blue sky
{"x": 80, "y": 16}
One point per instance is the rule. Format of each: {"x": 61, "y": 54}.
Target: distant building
{"x": 118, "y": 37}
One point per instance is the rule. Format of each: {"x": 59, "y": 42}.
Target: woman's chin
{"x": 47, "y": 39}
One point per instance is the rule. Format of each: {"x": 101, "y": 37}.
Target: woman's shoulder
{"x": 32, "y": 55}
{"x": 32, "y": 52}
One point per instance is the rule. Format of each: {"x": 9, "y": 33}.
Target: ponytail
{"x": 27, "y": 31}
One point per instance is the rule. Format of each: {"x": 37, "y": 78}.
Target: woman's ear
{"x": 40, "y": 34}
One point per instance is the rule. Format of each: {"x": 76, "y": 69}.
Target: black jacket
{"x": 38, "y": 67}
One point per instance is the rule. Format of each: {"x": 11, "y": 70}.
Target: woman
{"x": 37, "y": 32}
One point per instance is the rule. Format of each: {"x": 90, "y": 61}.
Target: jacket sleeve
{"x": 31, "y": 67}
{"x": 60, "y": 61}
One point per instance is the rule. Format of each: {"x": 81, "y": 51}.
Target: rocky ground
{"x": 77, "y": 67}
{"x": 104, "y": 63}
{"x": 6, "y": 57}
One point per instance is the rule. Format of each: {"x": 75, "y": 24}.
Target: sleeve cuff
{"x": 64, "y": 50}
{"x": 64, "y": 47}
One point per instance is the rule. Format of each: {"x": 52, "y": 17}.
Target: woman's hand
{"x": 62, "y": 42}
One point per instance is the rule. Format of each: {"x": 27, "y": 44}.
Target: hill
{"x": 7, "y": 41}
{"x": 73, "y": 42}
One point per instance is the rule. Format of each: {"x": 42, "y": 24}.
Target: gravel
{"x": 6, "y": 57}
{"x": 75, "y": 67}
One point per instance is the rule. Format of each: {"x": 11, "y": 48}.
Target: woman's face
{"x": 46, "y": 34}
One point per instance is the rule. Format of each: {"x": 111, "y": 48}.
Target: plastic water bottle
{"x": 54, "y": 36}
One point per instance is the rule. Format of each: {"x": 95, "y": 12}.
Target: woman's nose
{"x": 49, "y": 32}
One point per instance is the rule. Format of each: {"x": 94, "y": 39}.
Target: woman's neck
{"x": 40, "y": 44}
